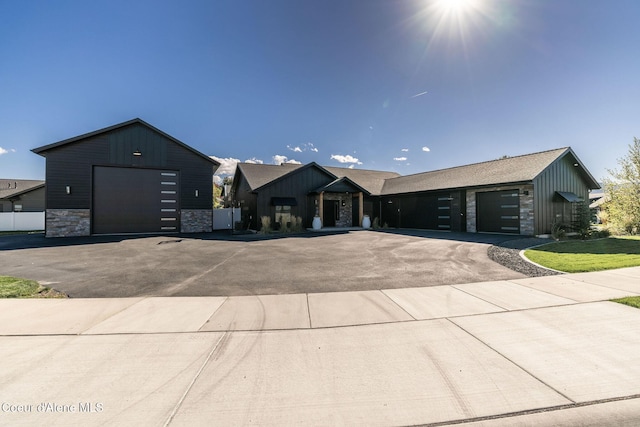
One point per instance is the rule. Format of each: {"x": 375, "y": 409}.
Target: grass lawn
{"x": 14, "y": 287}
{"x": 577, "y": 256}
{"x": 632, "y": 301}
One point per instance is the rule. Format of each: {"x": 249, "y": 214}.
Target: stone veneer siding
{"x": 67, "y": 222}
{"x": 196, "y": 220}
{"x": 346, "y": 217}
{"x": 526, "y": 208}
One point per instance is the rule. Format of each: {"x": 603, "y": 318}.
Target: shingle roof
{"x": 258, "y": 175}
{"x": 508, "y": 170}
{"x": 14, "y": 187}
{"x": 372, "y": 181}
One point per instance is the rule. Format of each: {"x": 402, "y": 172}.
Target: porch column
{"x": 360, "y": 208}
{"x": 320, "y": 207}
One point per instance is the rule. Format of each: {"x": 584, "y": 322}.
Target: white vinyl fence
{"x": 21, "y": 221}
{"x": 223, "y": 219}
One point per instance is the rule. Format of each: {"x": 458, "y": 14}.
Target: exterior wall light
{"x": 197, "y": 193}
{"x": 68, "y": 189}
{"x": 137, "y": 153}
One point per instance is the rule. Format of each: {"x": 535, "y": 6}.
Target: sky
{"x": 397, "y": 85}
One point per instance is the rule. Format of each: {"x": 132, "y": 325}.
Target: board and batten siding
{"x": 297, "y": 185}
{"x": 242, "y": 195}
{"x": 196, "y": 173}
{"x": 561, "y": 175}
{"x": 72, "y": 165}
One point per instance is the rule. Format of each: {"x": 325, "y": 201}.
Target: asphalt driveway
{"x": 221, "y": 265}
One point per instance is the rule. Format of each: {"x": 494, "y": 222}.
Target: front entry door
{"x": 329, "y": 213}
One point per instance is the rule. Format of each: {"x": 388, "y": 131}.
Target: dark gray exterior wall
{"x": 72, "y": 165}
{"x": 559, "y": 176}
{"x": 297, "y": 185}
{"x": 247, "y": 200}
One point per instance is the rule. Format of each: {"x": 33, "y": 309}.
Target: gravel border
{"x": 508, "y": 254}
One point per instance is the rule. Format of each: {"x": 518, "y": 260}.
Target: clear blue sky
{"x": 371, "y": 80}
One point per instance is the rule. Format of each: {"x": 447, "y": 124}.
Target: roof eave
{"x": 42, "y": 150}
{"x": 291, "y": 173}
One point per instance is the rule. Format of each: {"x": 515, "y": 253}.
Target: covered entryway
{"x": 341, "y": 203}
{"x": 133, "y": 200}
{"x": 498, "y": 211}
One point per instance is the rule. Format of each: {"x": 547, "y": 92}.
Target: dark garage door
{"x": 498, "y": 211}
{"x": 130, "y": 200}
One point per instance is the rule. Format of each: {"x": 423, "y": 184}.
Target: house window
{"x": 283, "y": 214}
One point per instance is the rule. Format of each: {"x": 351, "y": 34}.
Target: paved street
{"x": 530, "y": 351}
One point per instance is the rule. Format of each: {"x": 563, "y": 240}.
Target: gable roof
{"x": 341, "y": 185}
{"x": 259, "y": 175}
{"x": 43, "y": 150}
{"x": 372, "y": 181}
{"x": 15, "y": 187}
{"x": 509, "y": 170}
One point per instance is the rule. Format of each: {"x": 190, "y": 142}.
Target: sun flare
{"x": 456, "y": 6}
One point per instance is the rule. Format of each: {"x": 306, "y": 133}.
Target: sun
{"x": 456, "y": 6}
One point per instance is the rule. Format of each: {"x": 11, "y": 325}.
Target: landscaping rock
{"x": 508, "y": 254}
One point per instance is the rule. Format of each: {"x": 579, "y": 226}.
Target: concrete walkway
{"x": 534, "y": 351}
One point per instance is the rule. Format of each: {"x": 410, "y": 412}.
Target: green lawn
{"x": 588, "y": 255}
{"x": 14, "y": 287}
{"x": 631, "y": 301}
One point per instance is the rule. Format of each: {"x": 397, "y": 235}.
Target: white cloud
{"x": 307, "y": 146}
{"x": 405, "y": 150}
{"x": 254, "y": 161}
{"x": 352, "y": 166}
{"x": 217, "y": 180}
{"x": 227, "y": 165}
{"x": 400, "y": 159}
{"x": 5, "y": 151}
{"x": 426, "y": 149}
{"x": 345, "y": 159}
{"x": 279, "y": 159}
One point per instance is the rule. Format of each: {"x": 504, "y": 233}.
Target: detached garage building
{"x": 127, "y": 178}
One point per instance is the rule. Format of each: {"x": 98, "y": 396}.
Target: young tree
{"x": 217, "y": 196}
{"x": 623, "y": 189}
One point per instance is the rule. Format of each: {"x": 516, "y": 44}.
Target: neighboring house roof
{"x": 43, "y": 150}
{"x": 259, "y": 175}
{"x": 10, "y": 188}
{"x": 502, "y": 171}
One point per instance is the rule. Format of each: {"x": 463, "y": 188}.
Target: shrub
{"x": 376, "y": 223}
{"x": 266, "y": 225}
{"x": 296, "y": 224}
{"x": 558, "y": 230}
